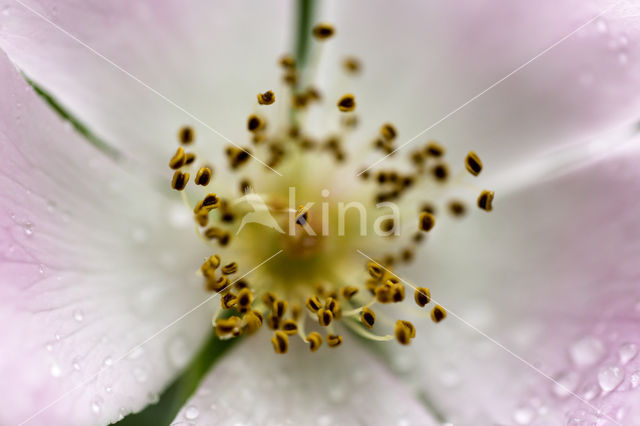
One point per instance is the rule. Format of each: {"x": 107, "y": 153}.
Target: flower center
{"x": 308, "y": 233}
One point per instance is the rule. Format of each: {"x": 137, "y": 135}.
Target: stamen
{"x": 404, "y": 332}
{"x": 266, "y": 98}
{"x": 457, "y": 208}
{"x": 427, "y": 221}
{"x": 315, "y": 341}
{"x": 422, "y": 296}
{"x": 485, "y": 199}
{"x": 290, "y": 327}
{"x": 252, "y": 321}
{"x": 323, "y": 31}
{"x": 352, "y": 65}
{"x": 473, "y": 164}
{"x": 434, "y": 149}
{"x": 367, "y": 317}
{"x": 203, "y": 177}
{"x": 334, "y": 340}
{"x": 325, "y": 317}
{"x": 186, "y": 135}
{"x": 438, "y": 313}
{"x": 313, "y": 304}
{"x": 347, "y": 103}
{"x": 178, "y": 159}
{"x": 280, "y": 342}
{"x": 179, "y": 181}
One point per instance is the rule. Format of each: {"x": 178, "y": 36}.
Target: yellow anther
{"x": 426, "y": 222}
{"x": 397, "y": 292}
{"x": 273, "y": 321}
{"x": 213, "y": 261}
{"x": 227, "y": 326}
{"x": 290, "y": 327}
{"x": 300, "y": 100}
{"x": 179, "y": 181}
{"x": 388, "y": 132}
{"x": 280, "y": 342}
{"x": 238, "y": 156}
{"x": 202, "y": 218}
{"x": 302, "y": 215}
{"x": 313, "y": 304}
{"x": 349, "y": 291}
{"x": 178, "y": 159}
{"x": 296, "y": 310}
{"x": 266, "y": 98}
{"x": 240, "y": 284}
{"x": 334, "y": 340}
{"x": 325, "y": 317}
{"x": 218, "y": 285}
{"x": 245, "y": 299}
{"x": 473, "y": 164}
{"x": 334, "y": 306}
{"x": 313, "y": 94}
{"x": 189, "y": 157}
{"x": 407, "y": 255}
{"x": 224, "y": 239}
{"x": 230, "y": 268}
{"x": 208, "y": 203}
{"x": 418, "y": 237}
{"x": 422, "y": 296}
{"x": 186, "y": 135}
{"x": 279, "y": 308}
{"x": 290, "y": 77}
{"x": 315, "y": 341}
{"x": 434, "y": 149}
{"x": 323, "y": 31}
{"x": 352, "y": 65}
{"x": 404, "y": 332}
{"x": 485, "y": 200}
{"x": 268, "y": 298}
{"x": 438, "y": 313}
{"x": 228, "y": 300}
{"x": 347, "y": 103}
{"x": 213, "y": 232}
{"x": 384, "y": 293}
{"x": 440, "y": 172}
{"x": 255, "y": 123}
{"x": 367, "y": 317}
{"x": 287, "y": 61}
{"x": 203, "y": 177}
{"x": 375, "y": 270}
{"x": 457, "y": 208}
{"x": 252, "y": 321}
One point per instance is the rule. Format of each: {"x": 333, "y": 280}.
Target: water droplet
{"x": 108, "y": 361}
{"x": 108, "y": 389}
{"x": 78, "y": 315}
{"x": 566, "y": 383}
{"x": 627, "y": 352}
{"x": 28, "y": 229}
{"x": 178, "y": 351}
{"x": 49, "y": 346}
{"x": 140, "y": 374}
{"x": 591, "y": 391}
{"x": 191, "y": 413}
{"x": 96, "y": 405}
{"x": 75, "y": 363}
{"x": 57, "y": 336}
{"x": 41, "y": 269}
{"x": 602, "y": 26}
{"x": 55, "y": 370}
{"x": 523, "y": 415}
{"x": 635, "y": 379}
{"x": 587, "y": 351}
{"x": 610, "y": 377}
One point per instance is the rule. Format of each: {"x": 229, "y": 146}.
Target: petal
{"x": 93, "y": 263}
{"x": 344, "y": 385}
{"x": 162, "y": 66}
{"x": 424, "y": 61}
{"x": 545, "y": 285}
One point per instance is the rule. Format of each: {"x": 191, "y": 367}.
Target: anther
{"x": 189, "y": 157}
{"x": 287, "y": 61}
{"x": 427, "y": 221}
{"x": 296, "y": 310}
{"x": 349, "y": 291}
{"x": 268, "y": 298}
{"x": 334, "y": 340}
{"x": 367, "y": 317}
{"x": 347, "y": 103}
{"x": 422, "y": 296}
{"x": 203, "y": 177}
{"x": 254, "y": 123}
{"x": 334, "y": 306}
{"x": 266, "y": 98}
{"x": 178, "y": 159}
{"x": 473, "y": 164}
{"x": 230, "y": 268}
{"x": 440, "y": 172}
{"x": 485, "y": 200}
{"x": 313, "y": 304}
{"x": 388, "y": 131}
{"x": 218, "y": 285}
{"x": 352, "y": 65}
{"x": 226, "y": 326}
{"x": 325, "y": 317}
{"x": 315, "y": 341}
{"x": 280, "y": 342}
{"x": 375, "y": 270}
{"x": 290, "y": 327}
{"x": 186, "y": 135}
{"x": 302, "y": 215}
{"x": 208, "y": 203}
{"x": 279, "y": 308}
{"x": 245, "y": 299}
{"x": 252, "y": 321}
{"x": 434, "y": 149}
{"x": 438, "y": 313}
{"x": 384, "y": 293}
{"x": 273, "y": 322}
{"x": 179, "y": 181}
{"x": 323, "y": 31}
{"x": 404, "y": 332}
{"x": 397, "y": 292}
{"x": 457, "y": 208}
{"x": 228, "y": 300}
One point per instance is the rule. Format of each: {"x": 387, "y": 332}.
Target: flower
{"x": 98, "y": 257}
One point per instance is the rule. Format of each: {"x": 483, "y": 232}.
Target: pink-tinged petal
{"x": 344, "y": 385}
{"x": 426, "y": 59}
{"x": 551, "y": 275}
{"x": 92, "y": 263}
{"x": 209, "y": 59}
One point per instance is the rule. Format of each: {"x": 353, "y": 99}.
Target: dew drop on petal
{"x": 602, "y": 26}
{"x": 140, "y": 374}
{"x": 75, "y": 363}
{"x": 55, "y": 370}
{"x": 96, "y": 405}
{"x": 108, "y": 389}
{"x": 609, "y": 377}
{"x": 627, "y": 352}
{"x": 635, "y": 379}
{"x": 566, "y": 383}
{"x": 78, "y": 315}
{"x": 191, "y": 413}
{"x": 108, "y": 361}
{"x": 523, "y": 415}
{"x": 28, "y": 229}
{"x": 586, "y": 351}
{"x": 590, "y": 392}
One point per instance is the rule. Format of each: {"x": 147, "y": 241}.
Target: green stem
{"x": 304, "y": 17}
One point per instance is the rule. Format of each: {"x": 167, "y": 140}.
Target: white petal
{"x": 91, "y": 265}
{"x": 344, "y": 385}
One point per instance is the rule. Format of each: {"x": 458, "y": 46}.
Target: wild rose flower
{"x": 105, "y": 296}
